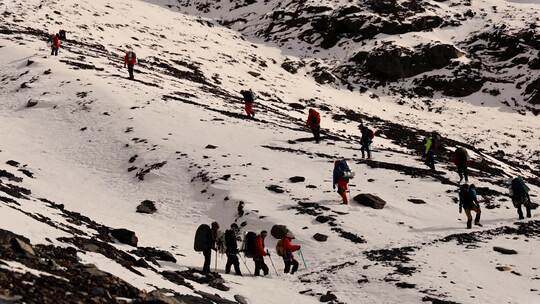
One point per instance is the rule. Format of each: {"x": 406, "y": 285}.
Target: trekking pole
{"x": 245, "y": 264}
{"x": 302, "y": 256}
{"x": 215, "y": 268}
{"x": 273, "y": 266}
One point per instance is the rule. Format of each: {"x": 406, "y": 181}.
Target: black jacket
{"x": 230, "y": 242}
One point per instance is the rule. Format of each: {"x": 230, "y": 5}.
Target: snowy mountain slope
{"x": 345, "y": 43}
{"x": 93, "y": 134}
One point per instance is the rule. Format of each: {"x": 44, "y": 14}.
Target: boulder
{"x": 370, "y": 200}
{"x": 417, "y": 201}
{"x": 319, "y": 237}
{"x": 329, "y": 296}
{"x": 240, "y": 299}
{"x": 504, "y": 250}
{"x": 324, "y": 218}
{"x": 279, "y": 231}
{"x": 31, "y": 103}
{"x": 22, "y": 247}
{"x": 391, "y": 62}
{"x": 125, "y": 236}
{"x": 147, "y": 206}
{"x": 275, "y": 188}
{"x": 297, "y": 179}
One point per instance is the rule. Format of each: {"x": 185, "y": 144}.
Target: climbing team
{"x": 208, "y": 238}
{"x": 249, "y": 99}
{"x": 314, "y": 124}
{"x": 130, "y": 59}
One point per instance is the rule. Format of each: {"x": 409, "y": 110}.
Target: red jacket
{"x": 131, "y": 60}
{"x": 56, "y": 42}
{"x": 288, "y": 246}
{"x": 259, "y": 247}
{"x": 314, "y": 119}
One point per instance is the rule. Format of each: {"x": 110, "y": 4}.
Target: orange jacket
{"x": 259, "y": 247}
{"x": 314, "y": 118}
{"x": 131, "y": 60}
{"x": 288, "y": 246}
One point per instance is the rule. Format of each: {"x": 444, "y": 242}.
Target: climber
{"x": 249, "y": 98}
{"x": 314, "y": 123}
{"x": 341, "y": 176}
{"x": 130, "y": 59}
{"x": 468, "y": 201}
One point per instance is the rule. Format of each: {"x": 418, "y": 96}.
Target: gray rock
{"x": 125, "y": 236}
{"x": 147, "y": 207}
{"x": 370, "y": 200}
{"x": 21, "y": 247}
{"x": 504, "y": 250}
{"x": 320, "y": 237}
{"x": 328, "y": 297}
{"x": 240, "y": 299}
{"x": 297, "y": 179}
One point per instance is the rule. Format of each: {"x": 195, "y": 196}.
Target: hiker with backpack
{"x": 258, "y": 253}
{"x": 232, "y": 250}
{"x": 366, "y": 140}
{"x": 249, "y": 98}
{"x": 432, "y": 145}
{"x": 468, "y": 200}
{"x": 205, "y": 241}
{"x": 55, "y": 44}
{"x": 285, "y": 249}
{"x": 314, "y": 123}
{"x": 130, "y": 59}
{"x": 519, "y": 192}
{"x": 461, "y": 160}
{"x": 341, "y": 176}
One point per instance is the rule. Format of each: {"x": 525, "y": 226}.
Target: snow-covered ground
{"x": 93, "y": 130}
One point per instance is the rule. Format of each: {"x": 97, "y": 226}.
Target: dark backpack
{"x": 342, "y": 167}
{"x": 371, "y": 134}
{"x": 248, "y": 96}
{"x": 250, "y": 246}
{"x": 518, "y": 188}
{"x": 203, "y": 238}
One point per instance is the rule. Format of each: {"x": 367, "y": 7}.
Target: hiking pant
{"x": 316, "y": 130}
{"x": 343, "y": 187}
{"x": 430, "y": 160}
{"x": 54, "y": 51}
{"x": 260, "y": 265}
{"x": 463, "y": 171}
{"x": 130, "y": 71}
{"x": 365, "y": 148}
{"x": 518, "y": 202}
{"x": 288, "y": 263}
{"x": 232, "y": 260}
{"x": 469, "y": 216}
{"x": 248, "y": 107}
{"x": 207, "y": 260}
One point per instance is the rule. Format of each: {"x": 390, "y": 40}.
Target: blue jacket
{"x": 339, "y": 171}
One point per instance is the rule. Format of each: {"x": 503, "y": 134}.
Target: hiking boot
{"x": 479, "y": 225}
